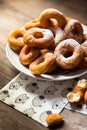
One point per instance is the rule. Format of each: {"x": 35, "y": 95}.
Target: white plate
{"x": 61, "y": 75}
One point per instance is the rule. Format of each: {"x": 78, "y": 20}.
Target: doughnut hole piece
{"x": 74, "y": 30}
{"x": 54, "y": 119}
{"x": 46, "y": 63}
{"x": 38, "y": 37}
{"x": 28, "y": 54}
{"x": 50, "y": 13}
{"x": 68, "y": 54}
{"x": 15, "y": 39}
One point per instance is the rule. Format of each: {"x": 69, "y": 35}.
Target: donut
{"x": 59, "y": 35}
{"x": 68, "y": 54}
{"x": 38, "y": 37}
{"x": 46, "y": 63}
{"x": 74, "y": 30}
{"x": 28, "y": 54}
{"x": 84, "y": 45}
{"x": 83, "y": 63}
{"x": 50, "y": 13}
{"x": 32, "y": 23}
{"x": 16, "y": 44}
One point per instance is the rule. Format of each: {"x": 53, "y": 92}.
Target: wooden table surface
{"x": 13, "y": 14}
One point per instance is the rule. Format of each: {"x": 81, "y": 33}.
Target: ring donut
{"x": 68, "y": 54}
{"x": 32, "y": 23}
{"x": 13, "y": 40}
{"x": 46, "y": 63}
{"x": 28, "y": 54}
{"x": 59, "y": 35}
{"x": 50, "y": 13}
{"x": 83, "y": 63}
{"x": 38, "y": 37}
{"x": 84, "y": 45}
{"x": 74, "y": 30}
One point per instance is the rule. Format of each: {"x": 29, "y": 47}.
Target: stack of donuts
{"x": 49, "y": 42}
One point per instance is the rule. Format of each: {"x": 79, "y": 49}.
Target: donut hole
{"x": 53, "y": 22}
{"x": 68, "y": 54}
{"x": 19, "y": 37}
{"x": 38, "y": 35}
{"x": 75, "y": 31}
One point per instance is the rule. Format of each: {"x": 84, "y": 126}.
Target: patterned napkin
{"x": 33, "y": 97}
{"x": 37, "y": 98}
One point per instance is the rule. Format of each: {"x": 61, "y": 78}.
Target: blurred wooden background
{"x": 14, "y": 13}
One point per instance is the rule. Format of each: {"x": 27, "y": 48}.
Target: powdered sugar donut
{"x": 38, "y": 37}
{"x": 68, "y": 54}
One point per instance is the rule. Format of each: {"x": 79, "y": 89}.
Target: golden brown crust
{"x": 32, "y": 23}
{"x": 49, "y": 13}
{"x": 77, "y": 94}
{"x": 13, "y": 40}
{"x": 43, "y": 64}
{"x": 27, "y": 54}
{"x": 53, "y": 119}
{"x": 85, "y": 97}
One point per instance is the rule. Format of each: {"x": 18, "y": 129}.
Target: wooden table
{"x": 13, "y": 14}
